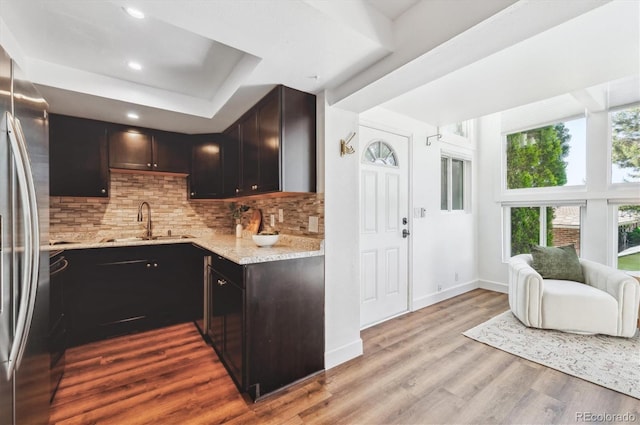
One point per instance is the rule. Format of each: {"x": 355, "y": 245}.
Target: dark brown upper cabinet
{"x": 146, "y": 150}
{"x": 250, "y": 153}
{"x": 231, "y": 161}
{"x": 171, "y": 152}
{"x": 270, "y": 139}
{"x": 214, "y": 167}
{"x": 206, "y": 179}
{"x": 78, "y": 161}
{"x": 277, "y": 144}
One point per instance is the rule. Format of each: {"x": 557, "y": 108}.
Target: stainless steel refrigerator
{"x": 24, "y": 259}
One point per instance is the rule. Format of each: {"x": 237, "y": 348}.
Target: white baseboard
{"x": 354, "y": 349}
{"x": 494, "y": 286}
{"x": 342, "y": 354}
{"x": 443, "y": 295}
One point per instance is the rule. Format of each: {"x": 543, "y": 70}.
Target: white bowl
{"x": 265, "y": 240}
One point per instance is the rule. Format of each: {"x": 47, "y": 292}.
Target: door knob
{"x": 405, "y": 233}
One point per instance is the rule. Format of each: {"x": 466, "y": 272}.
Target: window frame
{"x": 392, "y": 153}
{"x": 542, "y": 229}
{"x": 450, "y": 157}
{"x": 616, "y": 185}
{"x": 613, "y": 229}
{"x": 451, "y": 137}
{"x": 544, "y": 189}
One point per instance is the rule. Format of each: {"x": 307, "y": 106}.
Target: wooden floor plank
{"x": 416, "y": 369}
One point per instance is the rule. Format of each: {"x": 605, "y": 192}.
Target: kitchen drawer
{"x": 232, "y": 271}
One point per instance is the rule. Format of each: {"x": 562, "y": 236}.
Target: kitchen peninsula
{"x": 262, "y": 309}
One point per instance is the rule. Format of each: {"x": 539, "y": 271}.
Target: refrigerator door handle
{"x": 26, "y": 187}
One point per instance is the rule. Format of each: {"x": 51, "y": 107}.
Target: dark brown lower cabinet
{"x": 114, "y": 291}
{"x": 58, "y": 328}
{"x": 266, "y": 321}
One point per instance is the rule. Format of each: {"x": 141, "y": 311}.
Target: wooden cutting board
{"x": 254, "y": 223}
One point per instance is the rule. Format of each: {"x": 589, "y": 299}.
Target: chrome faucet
{"x": 148, "y": 235}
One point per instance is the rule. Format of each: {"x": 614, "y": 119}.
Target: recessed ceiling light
{"x": 133, "y": 115}
{"x": 134, "y": 65}
{"x": 135, "y": 13}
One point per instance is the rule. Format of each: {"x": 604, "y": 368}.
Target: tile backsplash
{"x": 171, "y": 210}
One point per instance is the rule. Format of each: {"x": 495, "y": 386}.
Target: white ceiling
{"x": 206, "y": 62}
{"x": 588, "y": 51}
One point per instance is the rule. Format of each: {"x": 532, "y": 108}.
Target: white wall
{"x": 443, "y": 244}
{"x": 492, "y": 272}
{"x": 600, "y": 197}
{"x": 342, "y": 270}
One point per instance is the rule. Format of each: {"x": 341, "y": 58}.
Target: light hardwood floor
{"x": 416, "y": 369}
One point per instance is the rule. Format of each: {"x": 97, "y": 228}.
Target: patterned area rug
{"x": 604, "y": 360}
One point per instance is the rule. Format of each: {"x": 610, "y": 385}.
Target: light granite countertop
{"x": 239, "y": 250}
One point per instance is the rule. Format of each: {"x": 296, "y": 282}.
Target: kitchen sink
{"x": 130, "y": 239}
{"x": 169, "y": 237}
{"x": 155, "y": 238}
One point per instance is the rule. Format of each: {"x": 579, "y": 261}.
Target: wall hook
{"x": 439, "y": 136}
{"x": 345, "y": 148}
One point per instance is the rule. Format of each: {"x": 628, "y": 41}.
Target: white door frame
{"x": 399, "y": 132}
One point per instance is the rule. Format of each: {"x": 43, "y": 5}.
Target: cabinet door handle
{"x": 193, "y": 194}
{"x": 103, "y": 191}
{"x": 148, "y": 265}
{"x": 237, "y": 190}
{"x": 222, "y": 282}
{"x": 155, "y": 264}
{"x": 149, "y": 164}
{"x": 155, "y": 165}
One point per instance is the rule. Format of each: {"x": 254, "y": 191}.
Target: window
{"x": 554, "y": 155}
{"x": 543, "y": 225}
{"x": 459, "y": 129}
{"x": 380, "y": 153}
{"x": 625, "y": 145}
{"x": 452, "y": 183}
{"x": 628, "y": 226}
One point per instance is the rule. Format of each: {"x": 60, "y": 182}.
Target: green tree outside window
{"x": 625, "y": 139}
{"x": 535, "y": 158}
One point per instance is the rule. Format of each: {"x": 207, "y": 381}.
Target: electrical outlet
{"x": 280, "y": 215}
{"x": 273, "y": 220}
{"x": 313, "y": 224}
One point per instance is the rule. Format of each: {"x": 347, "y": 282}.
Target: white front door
{"x": 384, "y": 187}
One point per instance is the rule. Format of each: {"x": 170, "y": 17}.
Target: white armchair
{"x": 607, "y": 303}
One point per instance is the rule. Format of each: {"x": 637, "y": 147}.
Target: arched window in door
{"x": 380, "y": 153}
